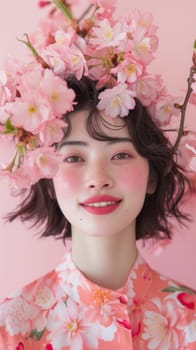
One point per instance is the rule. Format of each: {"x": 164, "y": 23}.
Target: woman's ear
{"x": 152, "y": 182}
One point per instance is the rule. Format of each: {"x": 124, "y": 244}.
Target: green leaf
{"x": 194, "y": 45}
{"x": 63, "y": 8}
{"x": 28, "y": 43}
{"x": 9, "y": 127}
{"x": 187, "y": 290}
{"x": 172, "y": 289}
{"x": 35, "y": 334}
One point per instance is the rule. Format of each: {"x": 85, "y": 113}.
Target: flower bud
{"x": 44, "y": 3}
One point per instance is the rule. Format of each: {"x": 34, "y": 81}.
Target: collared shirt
{"x": 64, "y": 310}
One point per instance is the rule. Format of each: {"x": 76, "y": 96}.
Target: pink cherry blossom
{"x": 147, "y": 88}
{"x": 45, "y": 32}
{"x": 52, "y": 131}
{"x": 65, "y": 37}
{"x": 16, "y": 179}
{"x": 142, "y": 31}
{"x": 54, "y": 59}
{"x": 142, "y": 22}
{"x": 29, "y": 81}
{"x": 107, "y": 35}
{"x": 116, "y": 101}
{"x": 31, "y": 112}
{"x": 59, "y": 96}
{"x": 164, "y": 109}
{"x": 143, "y": 48}
{"x": 76, "y": 62}
{"x": 129, "y": 70}
{"x": 40, "y": 163}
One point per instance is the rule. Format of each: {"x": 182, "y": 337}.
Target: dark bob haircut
{"x": 40, "y": 206}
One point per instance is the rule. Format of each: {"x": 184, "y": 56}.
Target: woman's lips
{"x": 100, "y": 205}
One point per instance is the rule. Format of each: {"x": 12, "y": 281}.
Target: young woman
{"x": 118, "y": 183}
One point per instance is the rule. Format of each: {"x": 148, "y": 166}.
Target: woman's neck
{"x": 105, "y": 261}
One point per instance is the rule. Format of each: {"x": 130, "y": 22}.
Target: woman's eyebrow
{"x": 83, "y": 143}
{"x": 119, "y": 140}
{"x": 72, "y": 143}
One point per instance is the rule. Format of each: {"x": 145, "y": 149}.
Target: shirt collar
{"x": 82, "y": 290}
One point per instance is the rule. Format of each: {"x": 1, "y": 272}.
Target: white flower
{"x": 117, "y": 101}
{"x": 16, "y": 316}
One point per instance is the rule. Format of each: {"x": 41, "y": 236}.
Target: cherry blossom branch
{"x": 183, "y": 107}
{"x": 85, "y": 13}
{"x": 63, "y": 8}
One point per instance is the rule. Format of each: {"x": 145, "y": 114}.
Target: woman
{"x": 118, "y": 182}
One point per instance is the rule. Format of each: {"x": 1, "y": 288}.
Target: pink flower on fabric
{"x": 117, "y": 101}
{"x": 162, "y": 325}
{"x": 51, "y": 131}
{"x": 68, "y": 327}
{"x": 107, "y": 35}
{"x": 59, "y": 96}
{"x": 188, "y": 300}
{"x": 190, "y": 334}
{"x": 129, "y": 70}
{"x": 16, "y": 316}
{"x": 20, "y": 346}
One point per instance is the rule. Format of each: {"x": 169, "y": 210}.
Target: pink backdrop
{"x": 23, "y": 256}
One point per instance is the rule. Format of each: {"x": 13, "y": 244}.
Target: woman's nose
{"x": 98, "y": 178}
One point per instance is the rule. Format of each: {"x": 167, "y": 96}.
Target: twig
{"x": 183, "y": 107}
{"x": 85, "y": 13}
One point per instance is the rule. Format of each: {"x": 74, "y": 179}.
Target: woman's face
{"x": 101, "y": 185}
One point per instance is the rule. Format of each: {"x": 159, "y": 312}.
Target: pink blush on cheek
{"x": 66, "y": 181}
{"x": 135, "y": 178}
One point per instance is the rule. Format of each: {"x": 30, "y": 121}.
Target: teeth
{"x": 100, "y": 204}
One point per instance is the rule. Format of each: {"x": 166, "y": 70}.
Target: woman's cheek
{"x": 66, "y": 181}
{"x": 134, "y": 177}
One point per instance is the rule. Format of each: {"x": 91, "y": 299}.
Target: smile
{"x": 100, "y": 204}
{"x": 101, "y": 208}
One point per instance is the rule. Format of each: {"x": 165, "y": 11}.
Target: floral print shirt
{"x": 64, "y": 310}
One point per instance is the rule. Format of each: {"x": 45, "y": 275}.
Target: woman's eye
{"x": 73, "y": 159}
{"x": 121, "y": 155}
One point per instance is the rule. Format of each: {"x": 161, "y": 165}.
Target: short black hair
{"x": 39, "y": 203}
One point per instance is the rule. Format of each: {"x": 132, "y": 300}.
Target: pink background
{"x": 23, "y": 256}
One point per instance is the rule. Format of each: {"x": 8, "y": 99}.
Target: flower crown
{"x": 114, "y": 52}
